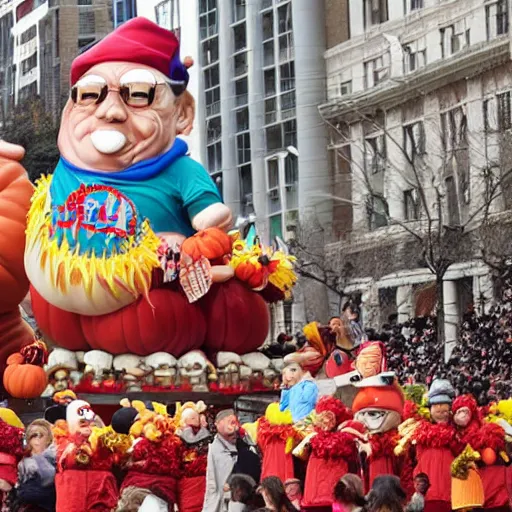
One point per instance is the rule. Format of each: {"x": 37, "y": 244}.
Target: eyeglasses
{"x": 36, "y": 435}
{"x": 135, "y": 94}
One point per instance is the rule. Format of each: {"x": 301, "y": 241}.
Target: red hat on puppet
{"x": 389, "y": 398}
{"x": 334, "y": 405}
{"x": 139, "y": 41}
{"x": 465, "y": 401}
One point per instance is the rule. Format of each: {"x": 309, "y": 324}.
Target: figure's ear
{"x": 186, "y": 113}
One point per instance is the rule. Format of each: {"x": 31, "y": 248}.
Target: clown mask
{"x": 440, "y": 413}
{"x": 326, "y": 421}
{"x": 378, "y": 420}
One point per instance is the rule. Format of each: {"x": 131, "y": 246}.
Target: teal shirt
{"x": 169, "y": 191}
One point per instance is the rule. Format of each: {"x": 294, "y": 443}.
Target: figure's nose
{"x": 112, "y": 109}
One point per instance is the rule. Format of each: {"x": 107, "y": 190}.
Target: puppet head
{"x": 80, "y": 418}
{"x": 440, "y": 397}
{"x": 292, "y": 374}
{"x": 330, "y": 412}
{"x": 128, "y": 99}
{"x": 227, "y": 425}
{"x": 380, "y": 408}
{"x": 190, "y": 414}
{"x": 371, "y": 359}
{"x": 465, "y": 411}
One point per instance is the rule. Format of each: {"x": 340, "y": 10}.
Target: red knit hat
{"x": 380, "y": 397}
{"x": 465, "y": 401}
{"x": 139, "y": 41}
{"x": 334, "y": 405}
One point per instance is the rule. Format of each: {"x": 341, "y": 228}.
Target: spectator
{"x": 274, "y": 494}
{"x": 386, "y": 495}
{"x": 242, "y": 488}
{"x": 421, "y": 485}
{"x": 349, "y": 494}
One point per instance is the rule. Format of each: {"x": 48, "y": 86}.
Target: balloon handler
{"x": 127, "y": 246}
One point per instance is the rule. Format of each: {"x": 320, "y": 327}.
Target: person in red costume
{"x": 84, "y": 479}
{"x": 332, "y": 452}
{"x": 436, "y": 447}
{"x": 489, "y": 440}
{"x": 379, "y": 405}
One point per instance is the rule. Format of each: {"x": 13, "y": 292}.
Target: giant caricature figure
{"x": 123, "y": 201}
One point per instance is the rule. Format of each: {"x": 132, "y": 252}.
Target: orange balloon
{"x": 489, "y": 456}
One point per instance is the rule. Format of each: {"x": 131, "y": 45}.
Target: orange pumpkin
{"x": 15, "y": 193}
{"x": 489, "y": 456}
{"x": 252, "y": 275}
{"x": 212, "y": 243}
{"x": 173, "y": 326}
{"x": 24, "y": 376}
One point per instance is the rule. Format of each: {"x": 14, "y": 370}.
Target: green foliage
{"x": 32, "y": 127}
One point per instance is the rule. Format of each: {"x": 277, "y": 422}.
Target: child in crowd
{"x": 421, "y": 485}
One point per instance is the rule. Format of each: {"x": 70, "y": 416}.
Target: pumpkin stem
{"x": 35, "y": 353}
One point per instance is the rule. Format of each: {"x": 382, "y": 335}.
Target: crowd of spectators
{"x": 480, "y": 363}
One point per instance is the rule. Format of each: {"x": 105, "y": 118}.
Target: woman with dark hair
{"x": 386, "y": 495}
{"x": 274, "y": 494}
{"x": 349, "y": 494}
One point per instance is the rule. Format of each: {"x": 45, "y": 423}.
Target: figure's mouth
{"x": 108, "y": 142}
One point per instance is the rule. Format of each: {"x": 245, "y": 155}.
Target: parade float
{"x": 137, "y": 281}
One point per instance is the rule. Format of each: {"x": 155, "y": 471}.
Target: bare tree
{"x": 430, "y": 179}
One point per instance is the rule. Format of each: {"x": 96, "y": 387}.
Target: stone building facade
{"x": 418, "y": 85}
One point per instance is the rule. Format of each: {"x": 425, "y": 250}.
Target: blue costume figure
{"x": 300, "y": 394}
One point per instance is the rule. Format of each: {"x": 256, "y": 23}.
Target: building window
{"x": 376, "y": 71}
{"x": 243, "y": 146}
{"x": 240, "y": 39}
{"x": 375, "y": 12}
{"x": 452, "y": 202}
{"x": 270, "y": 82}
{"x": 218, "y": 180}
{"x": 284, "y": 15}
{"x": 504, "y": 118}
{"x": 454, "y": 38}
{"x": 288, "y": 104}
{"x": 415, "y": 4}
{"x": 242, "y": 92}
{"x": 241, "y": 65}
{"x": 242, "y": 120}
{"x": 454, "y": 128}
{"x": 414, "y": 139}
{"x": 415, "y": 56}
{"x": 270, "y": 110}
{"x": 211, "y": 77}
{"x": 124, "y": 10}
{"x": 267, "y": 25}
{"x": 269, "y": 58}
{"x": 167, "y": 14}
{"x": 214, "y": 130}
{"x": 286, "y": 51}
{"x": 84, "y": 2}
{"x": 238, "y": 10}
{"x": 28, "y": 35}
{"x": 214, "y": 157}
{"x": 346, "y": 88}
{"x": 86, "y": 22}
{"x": 212, "y": 97}
{"x": 273, "y": 135}
{"x": 83, "y": 42}
{"x": 411, "y": 204}
{"x": 246, "y": 197}
{"x": 291, "y": 179}
{"x": 290, "y": 133}
{"x": 375, "y": 152}
{"x": 496, "y": 19}
{"x": 210, "y": 51}
{"x": 207, "y": 5}
{"x": 378, "y": 211}
{"x": 208, "y": 19}
{"x": 287, "y": 76}
{"x": 29, "y": 64}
